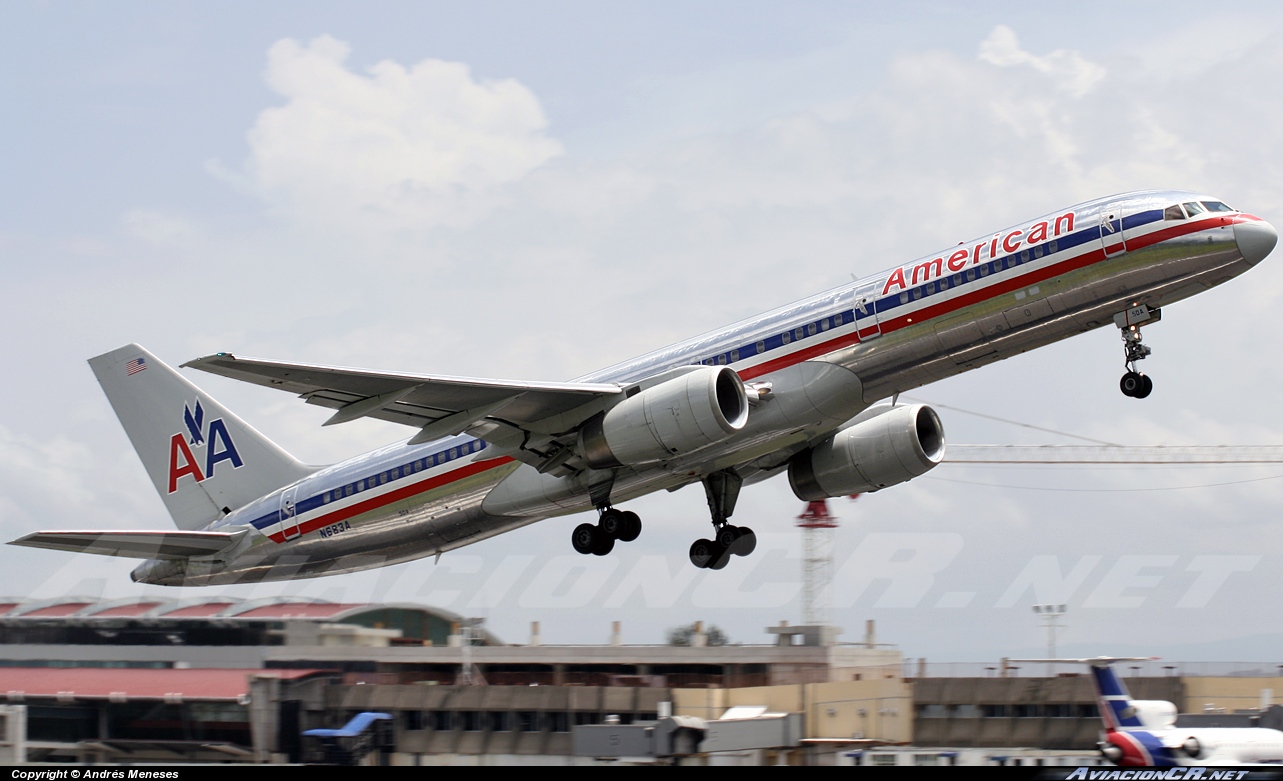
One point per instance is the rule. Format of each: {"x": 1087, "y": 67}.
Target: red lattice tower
{"x": 817, "y": 525}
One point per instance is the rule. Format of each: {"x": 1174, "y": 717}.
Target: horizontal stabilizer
{"x": 1095, "y": 661}
{"x": 137, "y": 545}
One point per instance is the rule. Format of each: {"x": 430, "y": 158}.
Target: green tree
{"x": 682, "y": 635}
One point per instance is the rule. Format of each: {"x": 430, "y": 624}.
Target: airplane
{"x": 811, "y": 388}
{"x": 1143, "y": 733}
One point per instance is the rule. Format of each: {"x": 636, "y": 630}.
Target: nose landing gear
{"x": 1134, "y": 383}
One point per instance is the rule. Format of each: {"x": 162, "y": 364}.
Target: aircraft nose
{"x": 1255, "y": 240}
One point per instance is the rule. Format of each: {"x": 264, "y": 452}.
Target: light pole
{"x": 1051, "y": 615}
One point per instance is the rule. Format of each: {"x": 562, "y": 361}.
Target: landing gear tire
{"x": 604, "y": 545}
{"x": 631, "y": 527}
{"x": 726, "y": 536}
{"x": 1136, "y": 385}
{"x": 701, "y": 552}
{"x": 746, "y": 543}
{"x": 721, "y": 557}
{"x": 585, "y": 538}
{"x": 612, "y": 523}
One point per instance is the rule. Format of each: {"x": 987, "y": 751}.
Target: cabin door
{"x": 1111, "y": 233}
{"x": 866, "y": 311}
{"x": 289, "y": 513}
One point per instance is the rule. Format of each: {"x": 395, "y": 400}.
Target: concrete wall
{"x": 881, "y": 708}
{"x": 1230, "y": 694}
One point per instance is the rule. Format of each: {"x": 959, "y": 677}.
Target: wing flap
{"x": 134, "y": 544}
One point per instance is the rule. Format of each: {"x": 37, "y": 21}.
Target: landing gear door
{"x": 289, "y": 513}
{"x": 866, "y": 312}
{"x": 1111, "y": 233}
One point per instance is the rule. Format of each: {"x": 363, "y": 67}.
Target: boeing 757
{"x": 810, "y": 389}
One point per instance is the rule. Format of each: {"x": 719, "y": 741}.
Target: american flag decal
{"x": 135, "y": 366}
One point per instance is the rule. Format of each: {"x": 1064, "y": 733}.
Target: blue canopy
{"x": 359, "y": 723}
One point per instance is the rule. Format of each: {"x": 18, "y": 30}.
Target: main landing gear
{"x": 1134, "y": 383}
{"x": 722, "y": 489}
{"x": 599, "y": 538}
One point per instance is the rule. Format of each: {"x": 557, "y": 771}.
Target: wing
{"x": 522, "y": 416}
{"x": 137, "y": 545}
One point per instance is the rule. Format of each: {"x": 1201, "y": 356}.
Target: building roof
{"x": 91, "y": 683}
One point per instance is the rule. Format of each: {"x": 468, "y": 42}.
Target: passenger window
{"x": 824, "y": 325}
{"x": 971, "y": 274}
{"x": 1024, "y": 256}
{"x": 784, "y": 337}
{"x": 916, "y": 293}
{"x": 1216, "y": 206}
{"x": 931, "y": 288}
{"x": 957, "y": 280}
{"x": 1053, "y": 246}
{"x": 1173, "y": 213}
{"x": 721, "y": 360}
{"x": 904, "y": 297}
{"x": 799, "y": 333}
{"x": 810, "y": 329}
{"x": 984, "y": 270}
{"x": 944, "y": 283}
{"x": 1193, "y": 209}
{"x": 735, "y": 355}
{"x": 761, "y": 347}
{"x": 1038, "y": 251}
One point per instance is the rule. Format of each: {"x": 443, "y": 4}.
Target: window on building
{"x": 882, "y": 760}
{"x": 558, "y": 721}
{"x": 995, "y": 711}
{"x": 441, "y": 721}
{"x": 499, "y": 721}
{"x": 470, "y": 720}
{"x": 527, "y": 721}
{"x": 413, "y": 720}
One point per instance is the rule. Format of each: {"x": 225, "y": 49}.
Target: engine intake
{"x": 679, "y": 416}
{"x": 889, "y": 448}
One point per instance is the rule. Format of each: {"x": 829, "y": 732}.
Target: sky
{"x": 537, "y": 190}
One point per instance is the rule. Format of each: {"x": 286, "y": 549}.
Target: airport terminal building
{"x": 225, "y": 681}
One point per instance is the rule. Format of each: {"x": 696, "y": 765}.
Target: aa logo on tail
{"x": 216, "y": 441}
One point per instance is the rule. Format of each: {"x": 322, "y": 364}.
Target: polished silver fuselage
{"x": 825, "y": 358}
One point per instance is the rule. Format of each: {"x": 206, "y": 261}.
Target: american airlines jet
{"x": 1143, "y": 733}
{"x": 800, "y": 389}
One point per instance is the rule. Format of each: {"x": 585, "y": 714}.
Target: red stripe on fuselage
{"x": 393, "y": 496}
{"x": 992, "y": 291}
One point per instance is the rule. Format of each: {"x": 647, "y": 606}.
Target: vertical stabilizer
{"x": 1113, "y": 699}
{"x": 203, "y": 460}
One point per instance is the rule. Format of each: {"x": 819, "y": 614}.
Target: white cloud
{"x": 417, "y": 146}
{"x": 1071, "y": 72}
{"x": 158, "y": 228}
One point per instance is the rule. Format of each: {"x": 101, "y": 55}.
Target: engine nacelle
{"x": 889, "y": 448}
{"x": 1155, "y": 714}
{"x": 699, "y": 408}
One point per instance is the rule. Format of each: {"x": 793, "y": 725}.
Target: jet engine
{"x": 886, "y": 449}
{"x": 694, "y": 410}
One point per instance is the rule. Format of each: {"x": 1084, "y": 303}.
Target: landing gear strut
{"x": 599, "y": 538}
{"x": 1134, "y": 383}
{"x": 722, "y": 489}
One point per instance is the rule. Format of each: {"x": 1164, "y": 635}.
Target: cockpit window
{"x": 1216, "y": 206}
{"x": 1173, "y": 213}
{"x": 1194, "y": 209}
